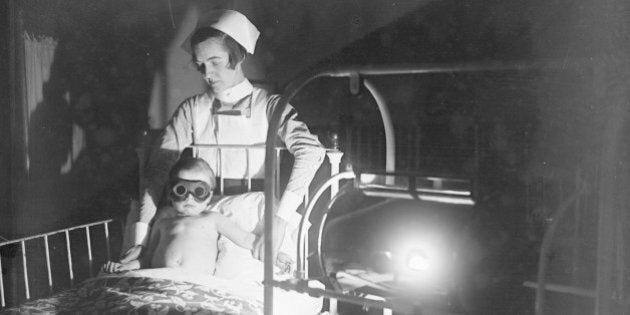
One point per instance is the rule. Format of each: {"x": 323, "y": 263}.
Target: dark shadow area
{"x": 5, "y": 125}
{"x": 96, "y": 99}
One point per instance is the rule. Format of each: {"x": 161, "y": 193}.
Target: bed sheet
{"x": 167, "y": 291}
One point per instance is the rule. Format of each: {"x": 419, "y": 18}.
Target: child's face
{"x": 190, "y": 193}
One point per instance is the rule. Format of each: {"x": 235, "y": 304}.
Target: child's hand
{"x": 116, "y": 267}
{"x": 112, "y": 267}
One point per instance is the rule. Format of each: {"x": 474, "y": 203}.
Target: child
{"x": 185, "y": 235}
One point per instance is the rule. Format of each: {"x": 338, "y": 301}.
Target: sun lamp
{"x": 423, "y": 260}
{"x": 418, "y": 261}
{"x": 406, "y": 186}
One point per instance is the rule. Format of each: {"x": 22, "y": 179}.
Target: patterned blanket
{"x": 139, "y": 295}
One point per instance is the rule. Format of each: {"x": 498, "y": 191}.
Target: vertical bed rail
{"x": 2, "y": 302}
{"x": 69, "y": 256}
{"x": 89, "y": 249}
{"x": 108, "y": 248}
{"x": 247, "y": 148}
{"x": 27, "y": 290}
{"x": 45, "y": 238}
{"x": 48, "y": 270}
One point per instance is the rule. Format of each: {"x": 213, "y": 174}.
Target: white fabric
{"x": 235, "y": 93}
{"x": 247, "y": 211}
{"x": 194, "y": 122}
{"x": 285, "y": 302}
{"x": 240, "y": 129}
{"x": 237, "y": 26}
{"x": 289, "y": 202}
{"x": 140, "y": 233}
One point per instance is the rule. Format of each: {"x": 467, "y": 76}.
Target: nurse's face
{"x": 213, "y": 62}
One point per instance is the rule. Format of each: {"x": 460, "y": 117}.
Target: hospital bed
{"x": 70, "y": 280}
{"x": 275, "y": 293}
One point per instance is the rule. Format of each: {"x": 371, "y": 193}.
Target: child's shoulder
{"x": 210, "y": 216}
{"x": 165, "y": 213}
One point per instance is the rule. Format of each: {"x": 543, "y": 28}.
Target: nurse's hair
{"x": 193, "y": 164}
{"x": 236, "y": 52}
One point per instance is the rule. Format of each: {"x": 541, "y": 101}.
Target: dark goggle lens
{"x": 180, "y": 190}
{"x": 199, "y": 190}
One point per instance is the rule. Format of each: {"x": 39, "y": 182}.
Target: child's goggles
{"x": 180, "y": 189}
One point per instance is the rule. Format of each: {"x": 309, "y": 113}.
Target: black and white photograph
{"x": 315, "y": 157}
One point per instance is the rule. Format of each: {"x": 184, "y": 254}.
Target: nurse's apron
{"x": 248, "y": 128}
{"x": 227, "y": 128}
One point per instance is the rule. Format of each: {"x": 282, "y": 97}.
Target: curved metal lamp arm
{"x": 390, "y": 136}
{"x": 301, "y": 254}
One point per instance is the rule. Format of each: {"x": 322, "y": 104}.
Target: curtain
{"x": 39, "y": 56}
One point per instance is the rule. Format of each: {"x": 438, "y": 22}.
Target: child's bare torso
{"x": 186, "y": 242}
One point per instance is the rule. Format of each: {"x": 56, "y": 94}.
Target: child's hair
{"x": 191, "y": 163}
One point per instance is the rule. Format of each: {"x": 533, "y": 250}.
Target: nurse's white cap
{"x": 237, "y": 26}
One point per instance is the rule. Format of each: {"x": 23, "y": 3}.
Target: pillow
{"x": 247, "y": 211}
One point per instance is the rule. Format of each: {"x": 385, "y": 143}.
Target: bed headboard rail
{"x": 44, "y": 238}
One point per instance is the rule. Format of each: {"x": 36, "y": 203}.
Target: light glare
{"x": 418, "y": 261}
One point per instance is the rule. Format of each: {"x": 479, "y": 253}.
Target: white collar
{"x": 235, "y": 93}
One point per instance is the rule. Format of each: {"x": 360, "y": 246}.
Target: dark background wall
{"x": 5, "y": 113}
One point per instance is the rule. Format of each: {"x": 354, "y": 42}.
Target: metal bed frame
{"x": 356, "y": 76}
{"x": 44, "y": 238}
{"x": 272, "y": 156}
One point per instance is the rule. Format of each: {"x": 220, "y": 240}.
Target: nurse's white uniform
{"x": 238, "y": 115}
{"x": 203, "y": 119}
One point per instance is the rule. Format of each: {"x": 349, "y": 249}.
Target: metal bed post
{"x": 249, "y": 173}
{"x": 222, "y": 179}
{"x": 270, "y": 192}
{"x": 390, "y": 136}
{"x": 334, "y": 157}
{"x": 2, "y": 302}
{"x": 89, "y": 249}
{"x": 26, "y": 287}
{"x": 107, "y": 241}
{"x": 69, "y": 255}
{"x": 276, "y": 175}
{"x": 50, "y": 283}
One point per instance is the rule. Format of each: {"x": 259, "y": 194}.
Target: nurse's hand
{"x": 132, "y": 254}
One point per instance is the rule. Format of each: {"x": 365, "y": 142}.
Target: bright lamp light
{"x": 418, "y": 261}
{"x": 423, "y": 259}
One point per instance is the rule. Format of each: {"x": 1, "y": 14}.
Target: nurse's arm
{"x": 175, "y": 138}
{"x": 308, "y": 155}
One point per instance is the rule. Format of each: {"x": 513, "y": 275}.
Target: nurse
{"x": 232, "y": 111}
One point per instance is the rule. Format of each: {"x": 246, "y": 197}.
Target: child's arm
{"x": 232, "y": 231}
{"x": 154, "y": 240}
